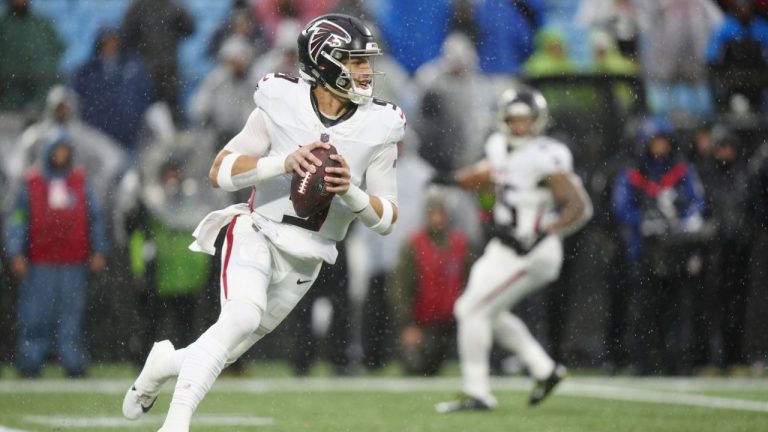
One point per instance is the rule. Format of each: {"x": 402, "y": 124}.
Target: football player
{"x": 539, "y": 200}
{"x": 271, "y": 256}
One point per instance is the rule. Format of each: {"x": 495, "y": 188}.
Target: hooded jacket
{"x": 56, "y": 218}
{"x": 660, "y": 194}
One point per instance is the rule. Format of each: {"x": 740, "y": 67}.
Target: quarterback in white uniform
{"x": 538, "y": 201}
{"x": 271, "y": 256}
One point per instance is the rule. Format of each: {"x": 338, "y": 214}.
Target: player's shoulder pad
{"x": 388, "y": 111}
{"x": 275, "y": 85}
{"x": 495, "y": 142}
{"x": 391, "y": 115}
{"x": 555, "y": 153}
{"x": 549, "y": 144}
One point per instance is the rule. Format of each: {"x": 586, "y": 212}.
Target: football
{"x": 308, "y": 193}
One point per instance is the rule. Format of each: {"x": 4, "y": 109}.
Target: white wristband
{"x": 355, "y": 198}
{"x": 268, "y": 167}
{"x": 384, "y": 225}
{"x": 224, "y": 176}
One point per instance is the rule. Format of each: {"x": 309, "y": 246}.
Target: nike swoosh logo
{"x": 146, "y": 409}
{"x": 302, "y": 282}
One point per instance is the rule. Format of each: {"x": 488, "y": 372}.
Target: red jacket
{"x": 441, "y": 277}
{"x": 58, "y": 235}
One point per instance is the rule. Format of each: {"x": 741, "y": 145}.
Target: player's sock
{"x": 175, "y": 362}
{"x": 474, "y": 338}
{"x": 513, "y": 334}
{"x": 206, "y": 358}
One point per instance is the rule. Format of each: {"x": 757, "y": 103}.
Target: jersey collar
{"x": 328, "y": 122}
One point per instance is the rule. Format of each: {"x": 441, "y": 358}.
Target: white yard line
{"x": 676, "y": 391}
{"x": 659, "y": 397}
{"x": 111, "y": 422}
{"x": 7, "y": 429}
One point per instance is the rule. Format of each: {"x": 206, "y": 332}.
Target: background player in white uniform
{"x": 538, "y": 201}
{"x": 271, "y": 256}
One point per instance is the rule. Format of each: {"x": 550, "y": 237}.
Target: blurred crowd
{"x": 663, "y": 102}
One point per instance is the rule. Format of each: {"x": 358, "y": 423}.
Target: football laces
{"x": 304, "y": 183}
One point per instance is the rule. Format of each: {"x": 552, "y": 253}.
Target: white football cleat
{"x": 141, "y": 396}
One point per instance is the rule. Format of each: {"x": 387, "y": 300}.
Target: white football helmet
{"x": 522, "y": 102}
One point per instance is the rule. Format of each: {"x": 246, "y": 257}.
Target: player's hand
{"x": 443, "y": 178}
{"x": 19, "y": 266}
{"x": 302, "y": 160}
{"x": 97, "y": 262}
{"x": 339, "y": 177}
{"x": 411, "y": 336}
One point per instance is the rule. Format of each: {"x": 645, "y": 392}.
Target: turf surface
{"x": 397, "y": 404}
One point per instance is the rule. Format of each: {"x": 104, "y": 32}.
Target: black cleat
{"x": 463, "y": 402}
{"x": 544, "y": 387}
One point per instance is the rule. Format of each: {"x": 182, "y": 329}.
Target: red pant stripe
{"x": 230, "y": 238}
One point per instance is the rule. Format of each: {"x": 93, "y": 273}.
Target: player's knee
{"x": 243, "y": 318}
{"x": 461, "y": 309}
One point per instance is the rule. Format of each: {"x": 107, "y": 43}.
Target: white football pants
{"x": 260, "y": 285}
{"x": 498, "y": 281}
{"x": 256, "y": 272}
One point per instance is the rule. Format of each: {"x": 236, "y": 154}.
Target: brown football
{"x": 308, "y": 193}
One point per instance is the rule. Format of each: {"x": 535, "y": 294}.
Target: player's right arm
{"x": 243, "y": 162}
{"x": 474, "y": 177}
{"x": 573, "y": 201}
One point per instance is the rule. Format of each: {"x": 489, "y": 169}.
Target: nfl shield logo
{"x": 324, "y": 137}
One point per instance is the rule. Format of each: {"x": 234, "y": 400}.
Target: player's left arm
{"x": 377, "y": 208}
{"x": 573, "y": 201}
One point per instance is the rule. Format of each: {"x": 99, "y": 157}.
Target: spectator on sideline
{"x": 455, "y": 108}
{"x": 100, "y": 156}
{"x": 239, "y": 22}
{"x": 429, "y": 277}
{"x": 551, "y": 55}
{"x": 616, "y": 18}
{"x": 413, "y": 175}
{"x": 55, "y": 234}
{"x": 283, "y": 57}
{"x": 224, "y": 99}
{"x": 154, "y": 29}
{"x": 270, "y": 13}
{"x": 673, "y": 59}
{"x": 30, "y": 50}
{"x": 114, "y": 90}
{"x": 740, "y": 43}
{"x": 659, "y": 205}
{"x": 157, "y": 212}
{"x": 722, "y": 303}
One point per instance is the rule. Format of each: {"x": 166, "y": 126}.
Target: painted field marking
{"x": 7, "y": 429}
{"x": 678, "y": 391}
{"x": 111, "y": 422}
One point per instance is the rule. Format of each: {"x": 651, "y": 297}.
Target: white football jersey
{"x": 367, "y": 140}
{"x": 524, "y": 206}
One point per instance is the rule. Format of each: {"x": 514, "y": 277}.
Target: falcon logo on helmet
{"x": 323, "y": 33}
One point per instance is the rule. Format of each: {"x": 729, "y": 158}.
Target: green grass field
{"x": 272, "y": 401}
